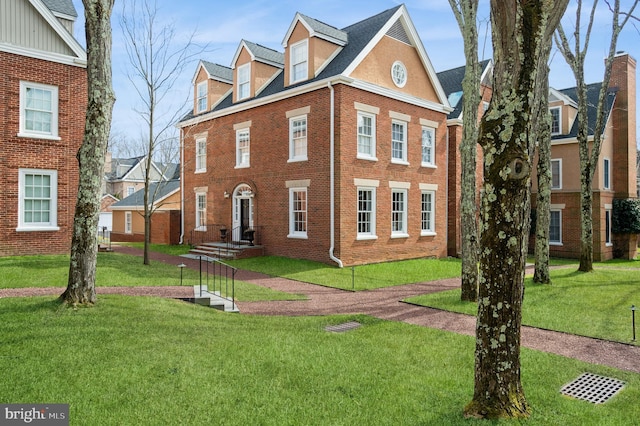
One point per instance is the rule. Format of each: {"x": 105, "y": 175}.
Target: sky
{"x": 223, "y": 24}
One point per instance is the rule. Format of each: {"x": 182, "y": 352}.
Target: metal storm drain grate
{"x": 592, "y": 388}
{"x": 340, "y": 328}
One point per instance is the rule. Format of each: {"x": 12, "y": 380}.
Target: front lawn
{"x": 151, "y": 361}
{"x": 595, "y": 304}
{"x": 117, "y": 270}
{"x": 365, "y": 277}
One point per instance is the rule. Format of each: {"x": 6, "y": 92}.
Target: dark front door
{"x": 244, "y": 216}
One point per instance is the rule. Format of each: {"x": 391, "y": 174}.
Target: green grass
{"x": 595, "y": 304}
{"x": 174, "y": 250}
{"x": 363, "y": 277}
{"x": 148, "y": 361}
{"x": 117, "y": 270}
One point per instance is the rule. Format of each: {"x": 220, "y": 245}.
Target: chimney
{"x": 623, "y": 119}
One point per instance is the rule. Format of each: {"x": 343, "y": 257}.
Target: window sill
{"x": 429, "y": 166}
{"x": 366, "y": 157}
{"x": 400, "y": 235}
{"x": 428, "y": 234}
{"x": 298, "y": 236}
{"x": 366, "y": 237}
{"x": 608, "y": 245}
{"x": 37, "y": 228}
{"x": 297, "y": 160}
{"x": 201, "y": 229}
{"x": 552, "y": 243}
{"x": 39, "y": 136}
{"x": 197, "y": 172}
{"x": 400, "y": 162}
{"x": 242, "y": 166}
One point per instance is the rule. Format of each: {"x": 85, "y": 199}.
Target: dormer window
{"x": 202, "y": 96}
{"x": 244, "y": 80}
{"x": 555, "y": 120}
{"x": 299, "y": 61}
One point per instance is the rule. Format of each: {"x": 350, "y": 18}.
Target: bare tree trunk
{"x": 466, "y": 13}
{"x": 84, "y": 245}
{"x": 543, "y": 202}
{"x": 522, "y": 31}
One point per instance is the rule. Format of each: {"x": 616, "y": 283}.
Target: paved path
{"x": 386, "y": 303}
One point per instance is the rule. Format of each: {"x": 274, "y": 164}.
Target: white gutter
{"x": 332, "y": 194}
{"x": 181, "y": 186}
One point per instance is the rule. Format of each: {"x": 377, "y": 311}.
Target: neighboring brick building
{"x": 334, "y": 150}
{"x": 615, "y": 175}
{"x": 43, "y": 86}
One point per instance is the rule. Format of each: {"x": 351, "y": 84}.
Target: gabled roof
{"x": 317, "y": 29}
{"x": 260, "y": 53}
{"x": 160, "y": 190}
{"x": 214, "y": 72}
{"x": 593, "y": 91}
{"x": 556, "y": 95}
{"x": 362, "y": 37}
{"x": 64, "y": 7}
{"x": 451, "y": 81}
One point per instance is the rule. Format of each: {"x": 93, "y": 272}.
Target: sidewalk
{"x": 386, "y": 303}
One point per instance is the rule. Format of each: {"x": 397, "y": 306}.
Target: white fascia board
{"x": 400, "y": 96}
{"x": 195, "y": 75}
{"x": 43, "y": 55}
{"x": 237, "y": 54}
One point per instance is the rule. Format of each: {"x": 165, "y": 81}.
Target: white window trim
{"x": 363, "y": 236}
{"x": 53, "y": 196}
{"x": 23, "y": 131}
{"x": 608, "y": 242}
{"x": 559, "y": 109}
{"x": 201, "y": 159}
{"x": 292, "y": 156}
{"x": 131, "y": 190}
{"x": 202, "y": 96}
{"x": 432, "y": 230}
{"x": 403, "y": 233}
{"x": 556, "y": 243}
{"x": 292, "y": 232}
{"x": 362, "y": 155}
{"x": 239, "y": 163}
{"x": 242, "y": 83}
{"x": 432, "y": 163}
{"x": 201, "y": 228}
{"x": 559, "y": 161}
{"x": 606, "y": 173}
{"x": 400, "y": 65}
{"x": 292, "y": 79}
{"x": 402, "y": 160}
{"x": 128, "y": 223}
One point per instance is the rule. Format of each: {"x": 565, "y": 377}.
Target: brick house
{"x": 334, "y": 150}
{"x": 43, "y": 78}
{"x": 616, "y": 173}
{"x": 128, "y": 215}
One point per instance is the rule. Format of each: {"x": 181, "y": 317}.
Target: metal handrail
{"x": 225, "y": 273}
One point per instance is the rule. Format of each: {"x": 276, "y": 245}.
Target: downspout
{"x": 332, "y": 195}
{"x": 181, "y": 186}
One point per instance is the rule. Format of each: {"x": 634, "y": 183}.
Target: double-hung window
{"x": 38, "y": 111}
{"x": 297, "y": 213}
{"x": 427, "y": 211}
{"x": 428, "y": 146}
{"x": 201, "y": 211}
{"x": 201, "y": 155}
{"x": 38, "y": 199}
{"x": 244, "y": 81}
{"x": 128, "y": 223}
{"x": 606, "y": 173}
{"x": 399, "y": 213}
{"x": 366, "y": 135}
{"x": 556, "y": 174}
{"x": 298, "y": 138}
{"x": 366, "y": 213}
{"x": 299, "y": 61}
{"x": 555, "y": 227}
{"x": 556, "y": 117}
{"x": 202, "y": 96}
{"x": 242, "y": 148}
{"x": 399, "y": 142}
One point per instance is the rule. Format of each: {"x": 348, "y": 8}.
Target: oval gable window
{"x": 399, "y": 74}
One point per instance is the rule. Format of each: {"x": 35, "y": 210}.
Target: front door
{"x": 242, "y": 211}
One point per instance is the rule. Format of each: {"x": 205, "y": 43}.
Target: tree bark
{"x": 466, "y": 13}
{"x": 522, "y": 31}
{"x": 84, "y": 245}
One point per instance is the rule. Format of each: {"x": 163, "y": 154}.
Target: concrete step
{"x": 213, "y": 299}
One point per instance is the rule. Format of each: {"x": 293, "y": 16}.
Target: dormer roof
{"x": 260, "y": 54}
{"x": 557, "y": 96}
{"x": 593, "y": 92}
{"x": 451, "y": 81}
{"x": 317, "y": 29}
{"x": 62, "y": 7}
{"x": 215, "y": 72}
